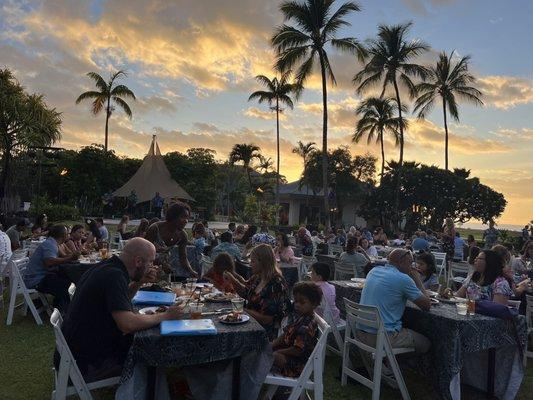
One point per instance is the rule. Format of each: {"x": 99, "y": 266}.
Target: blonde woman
{"x": 448, "y": 239}
{"x": 266, "y": 291}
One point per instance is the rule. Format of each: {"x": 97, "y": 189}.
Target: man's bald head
{"x": 138, "y": 255}
{"x": 401, "y": 259}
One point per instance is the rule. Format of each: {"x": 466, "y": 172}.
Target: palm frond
{"x": 122, "y": 91}
{"x": 88, "y": 95}
{"x": 122, "y": 104}
{"x": 99, "y": 81}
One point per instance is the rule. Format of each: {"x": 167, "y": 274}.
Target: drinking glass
{"x": 196, "y": 309}
{"x": 92, "y": 257}
{"x": 191, "y": 284}
{"x": 237, "y": 305}
{"x": 103, "y": 253}
{"x": 461, "y": 308}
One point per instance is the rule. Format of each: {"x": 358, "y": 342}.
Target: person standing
{"x": 170, "y": 240}
{"x": 157, "y": 204}
{"x": 448, "y": 239}
{"x": 132, "y": 203}
{"x": 104, "y": 233}
{"x": 491, "y": 236}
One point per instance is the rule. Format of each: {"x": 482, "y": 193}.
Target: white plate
{"x": 86, "y": 261}
{"x": 453, "y": 300}
{"x": 431, "y": 293}
{"x": 434, "y": 301}
{"x": 360, "y": 280}
{"x": 144, "y": 310}
{"x": 245, "y": 318}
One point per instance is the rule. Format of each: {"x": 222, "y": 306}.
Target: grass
{"x": 26, "y": 351}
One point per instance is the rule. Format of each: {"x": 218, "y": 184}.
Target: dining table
{"x": 232, "y": 364}
{"x": 483, "y": 352}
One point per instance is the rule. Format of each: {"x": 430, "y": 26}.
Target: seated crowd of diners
{"x": 101, "y": 306}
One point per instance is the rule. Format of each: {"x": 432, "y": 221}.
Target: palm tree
{"x": 390, "y": 62}
{"x": 378, "y": 117}
{"x": 304, "y": 150}
{"x": 278, "y": 92}
{"x": 315, "y": 25}
{"x": 245, "y": 153}
{"x": 265, "y": 164}
{"x": 107, "y": 92}
{"x": 448, "y": 82}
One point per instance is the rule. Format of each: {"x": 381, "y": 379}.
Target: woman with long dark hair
{"x": 488, "y": 281}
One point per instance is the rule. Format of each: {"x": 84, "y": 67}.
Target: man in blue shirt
{"x": 104, "y": 233}
{"x": 420, "y": 243}
{"x": 459, "y": 247}
{"x": 41, "y": 272}
{"x": 157, "y": 204}
{"x": 226, "y": 246}
{"x": 388, "y": 288}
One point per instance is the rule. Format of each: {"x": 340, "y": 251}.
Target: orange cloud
{"x": 505, "y": 91}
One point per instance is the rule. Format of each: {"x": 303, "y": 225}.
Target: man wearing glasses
{"x": 388, "y": 288}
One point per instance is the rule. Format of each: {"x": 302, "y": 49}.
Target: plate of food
{"x": 431, "y": 293}
{"x": 447, "y": 296}
{"x": 219, "y": 297}
{"x": 434, "y": 301}
{"x": 359, "y": 280}
{"x": 234, "y": 319}
{"x": 153, "y": 310}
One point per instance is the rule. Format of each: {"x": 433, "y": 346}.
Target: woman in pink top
{"x": 283, "y": 250}
{"x": 320, "y": 275}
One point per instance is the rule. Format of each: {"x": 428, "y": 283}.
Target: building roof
{"x": 293, "y": 188}
{"x": 153, "y": 176}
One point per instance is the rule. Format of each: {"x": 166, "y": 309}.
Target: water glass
{"x": 196, "y": 309}
{"x": 461, "y": 308}
{"x": 191, "y": 284}
{"x": 237, "y": 305}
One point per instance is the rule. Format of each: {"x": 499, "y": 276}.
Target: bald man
{"x": 388, "y": 288}
{"x": 100, "y": 319}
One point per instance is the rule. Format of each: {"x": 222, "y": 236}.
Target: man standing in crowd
{"x": 15, "y": 234}
{"x": 157, "y": 204}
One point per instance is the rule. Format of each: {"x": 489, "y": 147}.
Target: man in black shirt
{"x": 100, "y": 319}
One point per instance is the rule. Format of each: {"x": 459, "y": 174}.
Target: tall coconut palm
{"x": 314, "y": 29}
{"x": 449, "y": 82}
{"x": 245, "y": 153}
{"x": 377, "y": 117}
{"x": 107, "y": 92}
{"x": 265, "y": 164}
{"x": 278, "y": 93}
{"x": 304, "y": 150}
{"x": 390, "y": 61}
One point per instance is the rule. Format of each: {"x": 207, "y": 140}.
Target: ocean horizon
{"x": 478, "y": 225}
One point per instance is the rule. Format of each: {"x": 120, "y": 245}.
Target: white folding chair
{"x": 17, "y": 268}
{"x": 68, "y": 369}
{"x": 529, "y": 320}
{"x": 335, "y": 249}
{"x": 314, "y": 366}
{"x": 369, "y": 316}
{"x": 344, "y": 271}
{"x": 336, "y": 328}
{"x": 5, "y": 268}
{"x": 456, "y": 272}
{"x": 206, "y": 264}
{"x": 304, "y": 267}
{"x": 440, "y": 264}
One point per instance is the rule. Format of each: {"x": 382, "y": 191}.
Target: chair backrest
{"x": 304, "y": 266}
{"x": 335, "y": 249}
{"x": 362, "y": 314}
{"x": 328, "y": 317}
{"x": 64, "y": 352}
{"x": 206, "y": 264}
{"x": 529, "y": 310}
{"x": 440, "y": 259}
{"x": 459, "y": 268}
{"x": 344, "y": 269}
{"x": 17, "y": 268}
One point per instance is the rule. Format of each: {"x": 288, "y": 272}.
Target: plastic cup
{"x": 237, "y": 305}
{"x": 461, "y": 308}
{"x": 196, "y": 310}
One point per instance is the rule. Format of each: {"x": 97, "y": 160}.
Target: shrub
{"x": 55, "y": 212}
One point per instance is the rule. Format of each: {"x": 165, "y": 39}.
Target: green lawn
{"x": 25, "y": 369}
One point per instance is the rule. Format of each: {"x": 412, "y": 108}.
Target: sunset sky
{"x": 192, "y": 64}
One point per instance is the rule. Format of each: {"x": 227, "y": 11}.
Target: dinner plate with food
{"x": 153, "y": 310}
{"x": 234, "y": 319}
{"x": 447, "y": 296}
{"x": 219, "y": 297}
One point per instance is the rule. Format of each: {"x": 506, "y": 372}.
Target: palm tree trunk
{"x": 446, "y": 135}
{"x": 400, "y": 116}
{"x": 400, "y": 166}
{"x": 382, "y": 155}
{"x": 5, "y": 173}
{"x": 107, "y": 122}
{"x": 249, "y": 176}
{"x": 277, "y": 168}
{"x": 325, "y": 143}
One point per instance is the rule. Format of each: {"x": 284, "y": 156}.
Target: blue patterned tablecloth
{"x": 452, "y": 336}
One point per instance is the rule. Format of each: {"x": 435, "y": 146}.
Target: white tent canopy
{"x": 153, "y": 176}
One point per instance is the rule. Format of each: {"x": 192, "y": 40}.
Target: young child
{"x": 320, "y": 275}
{"x": 425, "y": 263}
{"x": 293, "y": 348}
{"x": 222, "y": 263}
